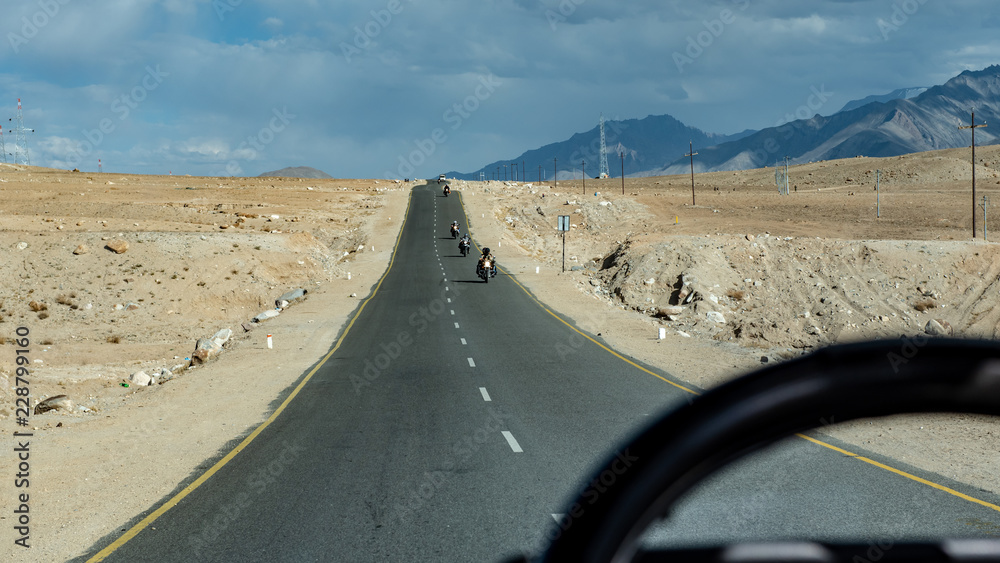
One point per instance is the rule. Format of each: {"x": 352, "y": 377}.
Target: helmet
{"x": 486, "y": 251}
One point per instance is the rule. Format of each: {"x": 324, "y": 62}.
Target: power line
{"x": 604, "y": 172}
{"x": 20, "y": 139}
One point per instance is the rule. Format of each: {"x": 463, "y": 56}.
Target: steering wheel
{"x": 841, "y": 383}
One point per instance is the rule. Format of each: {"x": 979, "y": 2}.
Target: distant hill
{"x": 926, "y": 122}
{"x": 647, "y": 143}
{"x": 900, "y": 94}
{"x": 296, "y": 172}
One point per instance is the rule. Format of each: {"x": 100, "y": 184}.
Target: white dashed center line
{"x": 486, "y": 396}
{"x": 452, "y": 311}
{"x": 513, "y": 443}
{"x": 464, "y": 342}
{"x": 472, "y": 364}
{"x": 456, "y": 325}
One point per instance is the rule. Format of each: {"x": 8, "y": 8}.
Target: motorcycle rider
{"x": 465, "y": 244}
{"x": 455, "y": 229}
{"x": 487, "y": 255}
{"x": 447, "y": 189}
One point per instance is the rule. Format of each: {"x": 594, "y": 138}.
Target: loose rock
{"x": 939, "y": 327}
{"x": 60, "y": 402}
{"x": 141, "y": 378}
{"x": 117, "y": 246}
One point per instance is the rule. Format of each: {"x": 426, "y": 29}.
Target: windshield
{"x": 235, "y": 323}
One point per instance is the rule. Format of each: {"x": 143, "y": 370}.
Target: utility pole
{"x": 973, "y": 126}
{"x": 539, "y": 173}
{"x": 623, "y": 171}
{"x": 555, "y": 173}
{"x": 524, "y": 172}
{"x": 583, "y": 165}
{"x": 691, "y": 153}
{"x": 786, "y": 175}
{"x": 984, "y": 205}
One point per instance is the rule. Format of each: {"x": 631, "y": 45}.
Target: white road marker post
{"x": 270, "y": 343}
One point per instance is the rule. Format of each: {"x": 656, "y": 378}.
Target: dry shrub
{"x": 924, "y": 305}
{"x": 735, "y": 294}
{"x": 64, "y": 300}
{"x": 36, "y": 306}
{"x": 42, "y": 316}
{"x": 47, "y": 342}
{"x": 114, "y": 339}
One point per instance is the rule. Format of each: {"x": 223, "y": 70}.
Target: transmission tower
{"x": 604, "y": 173}
{"x": 20, "y": 139}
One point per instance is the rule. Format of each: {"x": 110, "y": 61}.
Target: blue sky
{"x": 381, "y": 88}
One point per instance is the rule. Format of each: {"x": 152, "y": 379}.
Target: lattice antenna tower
{"x": 20, "y": 139}
{"x": 604, "y": 173}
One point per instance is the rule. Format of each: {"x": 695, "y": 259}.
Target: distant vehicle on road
{"x": 442, "y": 178}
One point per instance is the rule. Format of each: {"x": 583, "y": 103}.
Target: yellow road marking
{"x": 902, "y": 473}
{"x": 899, "y": 472}
{"x": 134, "y": 530}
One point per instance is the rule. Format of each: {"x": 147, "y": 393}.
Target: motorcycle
{"x": 454, "y": 231}
{"x": 464, "y": 245}
{"x": 447, "y": 190}
{"x": 486, "y": 269}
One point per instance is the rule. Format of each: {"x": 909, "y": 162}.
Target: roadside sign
{"x": 563, "y": 222}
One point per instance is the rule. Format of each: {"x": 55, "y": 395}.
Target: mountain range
{"x": 296, "y": 172}
{"x": 903, "y": 121}
{"x": 646, "y": 144}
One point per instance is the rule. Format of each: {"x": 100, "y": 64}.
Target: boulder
{"x": 58, "y": 402}
{"x": 82, "y": 249}
{"x": 117, "y": 246}
{"x": 162, "y": 376}
{"x": 715, "y": 317}
{"x": 222, "y": 337}
{"x": 939, "y": 327}
{"x": 205, "y": 350}
{"x": 666, "y": 312}
{"x": 140, "y": 378}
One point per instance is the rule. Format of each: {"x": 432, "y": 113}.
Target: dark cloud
{"x": 368, "y": 82}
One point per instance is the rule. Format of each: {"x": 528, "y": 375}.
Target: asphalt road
{"x": 457, "y": 417}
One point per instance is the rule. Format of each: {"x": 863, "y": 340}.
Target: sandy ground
{"x": 786, "y": 274}
{"x": 122, "y": 449}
